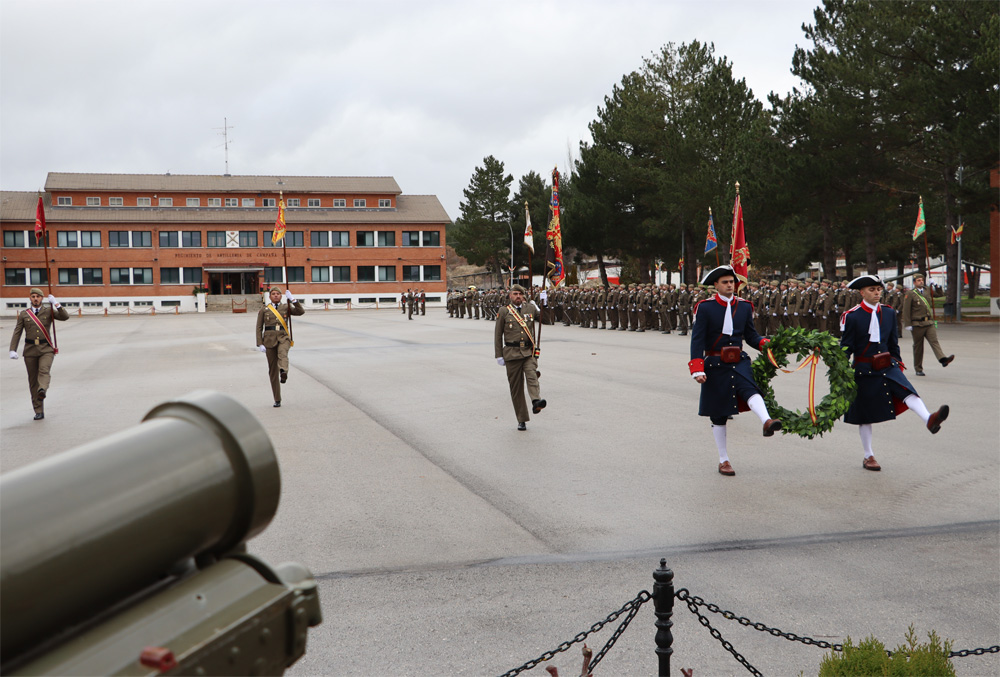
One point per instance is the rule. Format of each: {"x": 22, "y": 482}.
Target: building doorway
{"x": 234, "y": 282}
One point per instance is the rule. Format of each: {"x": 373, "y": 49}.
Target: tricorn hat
{"x": 715, "y": 274}
{"x": 863, "y": 281}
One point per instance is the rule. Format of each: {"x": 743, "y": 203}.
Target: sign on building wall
{"x": 232, "y": 238}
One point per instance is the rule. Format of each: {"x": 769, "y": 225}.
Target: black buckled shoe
{"x": 277, "y": 403}
{"x": 945, "y": 361}
{"x": 537, "y": 405}
{"x": 284, "y": 376}
{"x": 521, "y": 426}
{"x": 39, "y": 416}
{"x": 41, "y": 393}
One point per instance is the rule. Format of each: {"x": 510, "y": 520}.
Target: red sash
{"x": 41, "y": 328}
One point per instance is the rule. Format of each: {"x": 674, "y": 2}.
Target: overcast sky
{"x": 421, "y": 90}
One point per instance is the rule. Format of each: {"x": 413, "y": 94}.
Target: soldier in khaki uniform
{"x": 273, "y": 337}
{"x": 35, "y": 322}
{"x": 514, "y": 348}
{"x": 917, "y": 320}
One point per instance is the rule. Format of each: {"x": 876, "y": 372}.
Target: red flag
{"x": 279, "y": 223}
{"x": 739, "y": 252}
{"x": 40, "y": 220}
{"x": 554, "y": 253}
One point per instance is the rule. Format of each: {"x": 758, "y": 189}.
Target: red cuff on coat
{"x": 696, "y": 365}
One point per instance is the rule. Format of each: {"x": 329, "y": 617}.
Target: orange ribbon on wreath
{"x": 812, "y": 361}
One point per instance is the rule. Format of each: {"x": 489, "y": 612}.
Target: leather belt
{"x": 714, "y": 353}
{"x": 36, "y": 342}
{"x": 519, "y": 344}
{"x": 270, "y": 327}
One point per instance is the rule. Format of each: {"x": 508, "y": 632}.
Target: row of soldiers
{"x": 810, "y": 304}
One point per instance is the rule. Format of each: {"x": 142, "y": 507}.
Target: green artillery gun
{"x": 127, "y": 556}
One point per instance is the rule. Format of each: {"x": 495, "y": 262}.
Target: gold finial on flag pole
{"x": 737, "y": 187}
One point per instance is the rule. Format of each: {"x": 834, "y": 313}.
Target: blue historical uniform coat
{"x": 880, "y": 393}
{"x": 728, "y": 386}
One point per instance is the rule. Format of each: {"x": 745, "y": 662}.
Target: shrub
{"x": 929, "y": 659}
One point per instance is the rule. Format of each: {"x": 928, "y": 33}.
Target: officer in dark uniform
{"x": 35, "y": 322}
{"x": 718, "y": 363}
{"x": 273, "y": 336}
{"x": 514, "y": 348}
{"x": 870, "y": 335}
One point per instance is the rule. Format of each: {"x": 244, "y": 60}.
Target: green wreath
{"x": 840, "y": 374}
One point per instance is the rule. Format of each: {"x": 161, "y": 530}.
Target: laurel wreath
{"x": 840, "y": 374}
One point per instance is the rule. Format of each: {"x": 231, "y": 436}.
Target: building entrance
{"x": 241, "y": 282}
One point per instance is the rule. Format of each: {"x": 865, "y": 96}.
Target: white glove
{"x": 13, "y": 354}
{"x": 262, "y": 349}
{"x": 288, "y": 295}
{"x": 908, "y": 328}
{"x": 500, "y": 361}
{"x": 544, "y": 296}
{"x": 52, "y": 301}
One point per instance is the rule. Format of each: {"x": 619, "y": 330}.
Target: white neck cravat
{"x": 874, "y": 333}
{"x": 727, "y": 322}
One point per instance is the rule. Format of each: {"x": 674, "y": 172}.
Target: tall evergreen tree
{"x": 482, "y": 233}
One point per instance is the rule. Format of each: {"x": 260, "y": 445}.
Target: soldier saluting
{"x": 35, "y": 322}
{"x": 514, "y": 348}
{"x": 274, "y": 337}
{"x": 718, "y": 363}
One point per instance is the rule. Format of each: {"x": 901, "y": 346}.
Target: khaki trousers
{"x": 520, "y": 372}
{"x": 919, "y": 334}
{"x": 39, "y": 369}
{"x": 277, "y": 360}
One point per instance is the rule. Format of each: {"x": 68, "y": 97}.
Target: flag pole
{"x": 40, "y": 221}
{"x": 284, "y": 253}
{"x": 927, "y": 266}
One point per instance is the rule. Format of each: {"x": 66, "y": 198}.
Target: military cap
{"x": 716, "y": 273}
{"x": 36, "y": 290}
{"x": 277, "y": 289}
{"x": 863, "y": 281}
{"x": 918, "y": 276}
{"x": 517, "y": 287}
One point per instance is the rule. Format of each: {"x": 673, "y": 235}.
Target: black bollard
{"x": 663, "y": 604}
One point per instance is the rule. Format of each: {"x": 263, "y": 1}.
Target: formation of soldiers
{"x": 413, "y": 302}
{"x": 814, "y": 304}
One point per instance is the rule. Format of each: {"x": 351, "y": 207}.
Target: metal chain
{"x": 693, "y": 606}
{"x": 632, "y": 606}
{"x": 614, "y": 637}
{"x": 973, "y": 652}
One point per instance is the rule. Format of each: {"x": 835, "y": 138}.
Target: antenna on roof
{"x": 225, "y": 136}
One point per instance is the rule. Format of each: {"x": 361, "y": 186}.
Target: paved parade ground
{"x": 446, "y": 542}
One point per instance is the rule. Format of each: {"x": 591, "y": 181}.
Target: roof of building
{"x": 21, "y": 206}
{"x": 221, "y": 183}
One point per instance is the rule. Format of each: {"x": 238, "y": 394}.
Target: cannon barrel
{"x": 87, "y": 528}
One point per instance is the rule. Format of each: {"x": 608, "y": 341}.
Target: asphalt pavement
{"x": 448, "y": 543}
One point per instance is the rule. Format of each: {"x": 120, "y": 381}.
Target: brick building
{"x": 143, "y": 240}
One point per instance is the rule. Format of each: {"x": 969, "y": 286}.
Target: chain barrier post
{"x": 663, "y": 604}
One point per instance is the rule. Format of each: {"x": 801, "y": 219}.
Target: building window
{"x": 13, "y": 238}
{"x": 39, "y": 275}
{"x": 93, "y": 202}
{"x": 366, "y": 273}
{"x": 165, "y": 202}
{"x": 232, "y": 202}
{"x": 366, "y": 238}
{"x": 386, "y": 273}
{"x": 384, "y": 203}
{"x": 386, "y": 238}
{"x": 340, "y": 238}
{"x": 69, "y": 276}
{"x": 317, "y": 238}
{"x": 269, "y": 202}
{"x": 118, "y": 238}
{"x": 191, "y": 238}
{"x": 170, "y": 276}
{"x": 432, "y": 238}
{"x": 142, "y": 238}
{"x": 215, "y": 202}
{"x": 144, "y": 202}
{"x": 193, "y": 202}
{"x": 248, "y": 238}
{"x": 249, "y": 202}
{"x": 432, "y": 273}
{"x": 411, "y": 273}
{"x": 320, "y": 273}
{"x": 15, "y": 277}
{"x": 191, "y": 275}
{"x": 142, "y": 276}
{"x": 293, "y": 202}
{"x": 66, "y": 238}
{"x": 216, "y": 238}
{"x": 169, "y": 238}
{"x": 116, "y": 202}
{"x": 120, "y": 275}
{"x": 296, "y": 273}
{"x": 411, "y": 238}
{"x": 272, "y": 275}
{"x": 35, "y": 242}
{"x": 64, "y": 201}
{"x": 170, "y": 304}
{"x": 92, "y": 276}
{"x": 339, "y": 202}
{"x": 293, "y": 238}
{"x": 90, "y": 238}
{"x": 312, "y": 202}
{"x": 359, "y": 202}
{"x": 341, "y": 274}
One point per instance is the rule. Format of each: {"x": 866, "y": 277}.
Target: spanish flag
{"x": 279, "y": 223}
{"x": 554, "y": 252}
{"x": 956, "y": 235}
